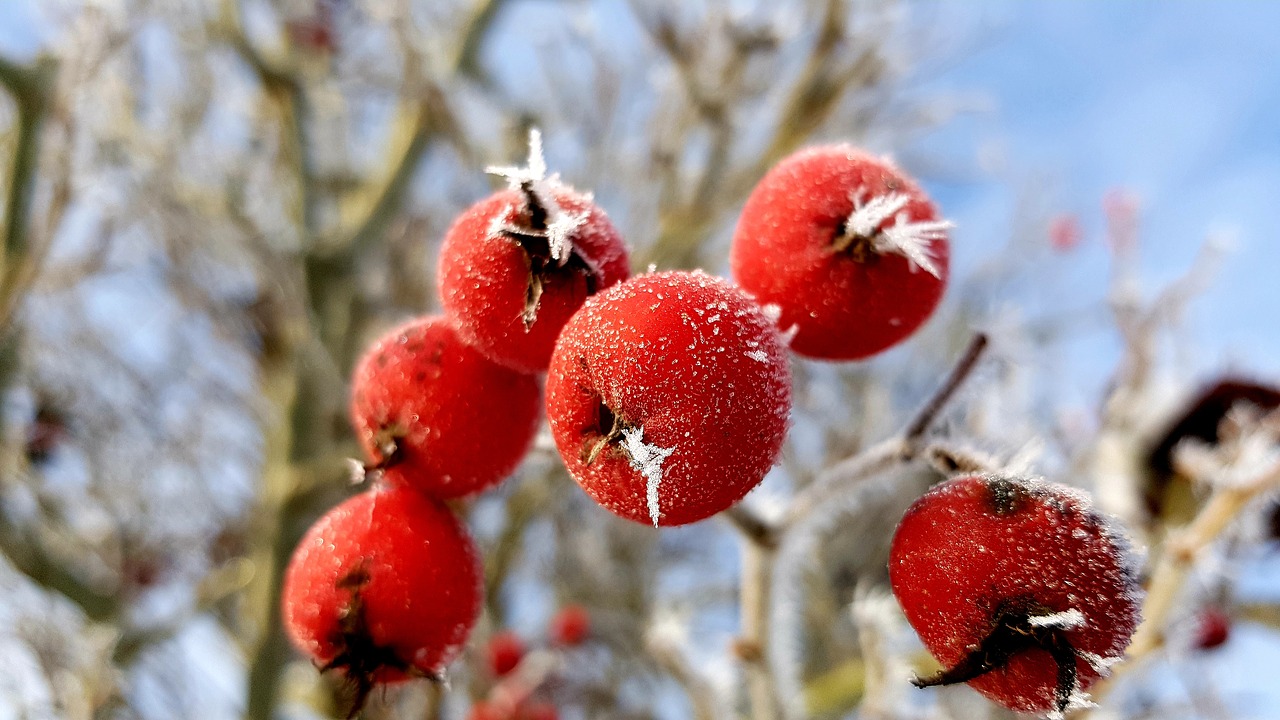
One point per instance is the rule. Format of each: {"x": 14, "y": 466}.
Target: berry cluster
{"x": 667, "y": 395}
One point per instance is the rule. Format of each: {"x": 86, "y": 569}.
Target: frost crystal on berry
{"x": 535, "y": 172}
{"x": 647, "y": 459}
{"x": 1065, "y": 620}
{"x": 560, "y": 228}
{"x": 912, "y": 240}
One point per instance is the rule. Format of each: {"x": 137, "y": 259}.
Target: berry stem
{"x": 878, "y": 458}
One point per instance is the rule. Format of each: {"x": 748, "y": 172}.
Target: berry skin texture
{"x": 1017, "y": 587}
{"x": 384, "y": 587}
{"x": 504, "y": 652}
{"x": 501, "y": 284}
{"x": 668, "y": 397}
{"x": 570, "y": 626}
{"x": 422, "y": 397}
{"x": 850, "y": 248}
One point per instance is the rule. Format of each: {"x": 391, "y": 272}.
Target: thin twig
{"x": 882, "y": 456}
{"x": 753, "y": 528}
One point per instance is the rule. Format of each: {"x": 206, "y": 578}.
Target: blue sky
{"x": 1179, "y": 101}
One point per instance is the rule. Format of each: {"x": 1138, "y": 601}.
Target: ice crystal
{"x": 534, "y": 173}
{"x": 912, "y": 240}
{"x": 1066, "y": 620}
{"x": 533, "y": 179}
{"x": 647, "y": 459}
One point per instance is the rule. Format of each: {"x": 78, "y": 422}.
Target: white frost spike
{"x": 560, "y": 228}
{"x": 1077, "y": 700}
{"x": 912, "y": 240}
{"x": 1066, "y": 620}
{"x": 647, "y": 459}
{"x": 1101, "y": 665}
{"x": 866, "y": 218}
{"x": 535, "y": 172}
{"x": 499, "y": 225}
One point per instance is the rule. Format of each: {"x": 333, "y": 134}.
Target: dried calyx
{"x": 544, "y": 230}
{"x": 1019, "y": 625}
{"x": 645, "y": 458}
{"x": 362, "y": 659}
{"x": 864, "y": 235}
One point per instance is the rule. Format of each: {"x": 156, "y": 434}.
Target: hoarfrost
{"x": 912, "y": 240}
{"x": 647, "y": 459}
{"x": 1066, "y": 619}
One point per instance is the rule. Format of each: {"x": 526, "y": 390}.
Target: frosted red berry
{"x": 850, "y": 248}
{"x": 422, "y": 397}
{"x": 515, "y": 266}
{"x": 503, "y": 652}
{"x": 569, "y": 626}
{"x": 1017, "y": 587}
{"x": 668, "y": 397}
{"x": 384, "y": 587}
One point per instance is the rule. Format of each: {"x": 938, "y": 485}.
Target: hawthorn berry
{"x": 504, "y": 652}
{"x": 569, "y": 626}
{"x": 668, "y": 396}
{"x": 422, "y": 397}
{"x": 1018, "y": 587}
{"x": 515, "y": 266}
{"x": 384, "y": 587}
{"x": 1213, "y": 629}
{"x": 537, "y": 710}
{"x": 850, "y": 248}
{"x": 485, "y": 710}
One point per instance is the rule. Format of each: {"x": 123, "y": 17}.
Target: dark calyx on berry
{"x": 361, "y": 658}
{"x": 1006, "y": 496}
{"x": 607, "y": 431}
{"x": 1015, "y": 630}
{"x": 534, "y": 238}
{"x": 856, "y": 245}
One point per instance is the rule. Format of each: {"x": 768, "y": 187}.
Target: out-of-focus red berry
{"x": 668, "y": 397}
{"x": 1064, "y": 233}
{"x": 570, "y": 626}
{"x": 1017, "y": 587}
{"x": 504, "y": 652}
{"x": 849, "y": 248}
{"x": 384, "y": 587}
{"x": 537, "y": 710}
{"x": 485, "y": 710}
{"x": 461, "y": 421}
{"x": 1213, "y": 630}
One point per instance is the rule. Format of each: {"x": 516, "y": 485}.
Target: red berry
{"x": 570, "y": 626}
{"x": 537, "y": 711}
{"x": 1214, "y": 629}
{"x": 849, "y": 248}
{"x": 515, "y": 266}
{"x": 1017, "y": 587}
{"x": 504, "y": 651}
{"x": 462, "y": 422}
{"x": 484, "y": 710}
{"x": 668, "y": 397}
{"x": 384, "y": 587}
